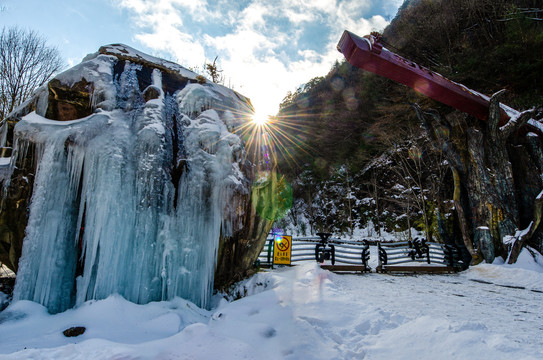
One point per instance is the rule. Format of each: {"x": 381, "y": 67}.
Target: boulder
{"x": 131, "y": 174}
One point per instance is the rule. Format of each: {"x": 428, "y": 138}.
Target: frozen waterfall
{"x": 107, "y": 216}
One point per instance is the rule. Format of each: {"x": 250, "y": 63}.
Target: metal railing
{"x": 418, "y": 252}
{"x": 357, "y": 252}
{"x": 313, "y": 248}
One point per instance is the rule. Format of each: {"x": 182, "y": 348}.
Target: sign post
{"x": 282, "y": 249}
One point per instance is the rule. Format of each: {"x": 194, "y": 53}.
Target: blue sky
{"x": 265, "y": 47}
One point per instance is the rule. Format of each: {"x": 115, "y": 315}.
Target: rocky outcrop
{"x": 237, "y": 253}
{"x": 127, "y": 162}
{"x": 69, "y": 101}
{"x": 16, "y": 193}
{"x": 498, "y": 179}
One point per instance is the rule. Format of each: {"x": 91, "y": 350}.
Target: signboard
{"x": 282, "y": 248}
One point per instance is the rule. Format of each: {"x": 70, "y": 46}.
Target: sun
{"x": 260, "y": 119}
{"x": 272, "y": 139}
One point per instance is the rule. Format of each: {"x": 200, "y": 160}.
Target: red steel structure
{"x": 369, "y": 54}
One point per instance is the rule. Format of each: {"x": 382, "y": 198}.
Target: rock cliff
{"x": 128, "y": 175}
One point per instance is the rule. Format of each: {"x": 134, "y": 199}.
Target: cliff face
{"x": 128, "y": 176}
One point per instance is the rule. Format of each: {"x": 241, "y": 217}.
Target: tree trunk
{"x": 481, "y": 165}
{"x": 462, "y": 217}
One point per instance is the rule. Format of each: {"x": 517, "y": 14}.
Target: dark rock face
{"x": 69, "y": 102}
{"x": 238, "y": 253}
{"x": 151, "y": 93}
{"x": 15, "y": 200}
{"x": 161, "y": 102}
{"x": 6, "y": 286}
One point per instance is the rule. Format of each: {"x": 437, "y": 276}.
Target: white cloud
{"x": 259, "y": 45}
{"x": 161, "y": 27}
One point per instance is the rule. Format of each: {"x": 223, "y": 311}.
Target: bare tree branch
{"x": 26, "y": 62}
{"x": 516, "y": 122}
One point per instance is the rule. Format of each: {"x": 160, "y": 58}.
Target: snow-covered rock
{"x": 137, "y": 168}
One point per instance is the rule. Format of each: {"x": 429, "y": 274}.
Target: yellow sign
{"x": 282, "y": 248}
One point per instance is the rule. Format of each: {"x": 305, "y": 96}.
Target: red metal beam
{"x": 369, "y": 54}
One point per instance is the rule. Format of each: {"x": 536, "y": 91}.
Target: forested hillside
{"x": 359, "y": 154}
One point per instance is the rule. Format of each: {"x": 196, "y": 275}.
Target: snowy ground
{"x": 304, "y": 312}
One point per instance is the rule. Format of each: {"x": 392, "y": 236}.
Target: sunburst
{"x": 272, "y": 138}
{"x": 269, "y": 140}
{"x": 259, "y": 119}
{"x": 272, "y": 145}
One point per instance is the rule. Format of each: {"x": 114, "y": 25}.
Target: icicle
{"x": 156, "y": 77}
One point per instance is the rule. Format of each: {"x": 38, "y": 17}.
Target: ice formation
{"x": 133, "y": 198}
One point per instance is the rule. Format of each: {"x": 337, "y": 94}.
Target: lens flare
{"x": 260, "y": 119}
{"x": 273, "y": 143}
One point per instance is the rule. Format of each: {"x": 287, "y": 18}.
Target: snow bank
{"x": 300, "y": 313}
{"x": 526, "y": 273}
